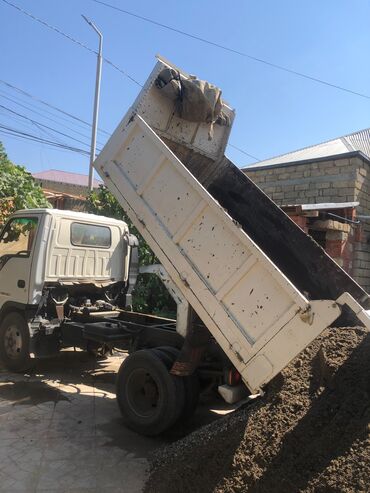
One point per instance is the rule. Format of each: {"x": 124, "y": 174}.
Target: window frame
{"x": 86, "y": 245}
{"x": 5, "y": 228}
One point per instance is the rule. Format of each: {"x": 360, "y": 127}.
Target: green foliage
{"x": 18, "y": 189}
{"x": 150, "y": 295}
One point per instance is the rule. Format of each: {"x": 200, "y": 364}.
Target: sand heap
{"x": 309, "y": 433}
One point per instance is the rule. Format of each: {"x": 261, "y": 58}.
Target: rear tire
{"x": 149, "y": 397}
{"x": 15, "y": 343}
{"x": 191, "y": 383}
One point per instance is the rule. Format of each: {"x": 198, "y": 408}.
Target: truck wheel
{"x": 191, "y": 383}
{"x": 14, "y": 342}
{"x": 149, "y": 397}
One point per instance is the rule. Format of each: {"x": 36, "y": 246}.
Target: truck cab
{"x": 54, "y": 262}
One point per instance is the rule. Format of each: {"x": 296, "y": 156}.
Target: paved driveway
{"x": 61, "y": 431}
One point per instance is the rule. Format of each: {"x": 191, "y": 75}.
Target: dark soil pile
{"x": 309, "y": 433}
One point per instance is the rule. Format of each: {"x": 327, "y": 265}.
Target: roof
{"x": 357, "y": 141}
{"x": 59, "y": 176}
{"x": 83, "y": 216}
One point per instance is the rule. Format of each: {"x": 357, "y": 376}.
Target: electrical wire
{"x": 71, "y": 38}
{"x": 26, "y": 136}
{"x": 22, "y": 91}
{"x": 189, "y": 35}
{"x": 26, "y": 106}
{"x": 44, "y": 126}
{"x": 244, "y": 152}
{"x": 183, "y": 33}
{"x": 26, "y": 123}
{"x": 4, "y": 129}
{"x": 25, "y": 93}
{"x": 231, "y": 50}
{"x": 25, "y": 141}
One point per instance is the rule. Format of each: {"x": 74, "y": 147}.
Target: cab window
{"x": 18, "y": 236}
{"x": 90, "y": 235}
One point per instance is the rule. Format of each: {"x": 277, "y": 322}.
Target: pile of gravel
{"x": 309, "y": 433}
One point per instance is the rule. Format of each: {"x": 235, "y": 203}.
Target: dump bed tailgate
{"x": 254, "y": 312}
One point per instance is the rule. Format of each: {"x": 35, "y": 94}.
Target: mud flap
{"x": 133, "y": 273}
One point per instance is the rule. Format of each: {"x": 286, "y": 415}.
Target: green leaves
{"x": 150, "y": 295}
{"x": 18, "y": 189}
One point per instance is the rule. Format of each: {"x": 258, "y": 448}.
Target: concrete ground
{"x": 61, "y": 431}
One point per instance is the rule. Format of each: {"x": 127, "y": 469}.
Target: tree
{"x": 150, "y": 295}
{"x": 18, "y": 189}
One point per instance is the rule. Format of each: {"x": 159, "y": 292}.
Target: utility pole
{"x": 96, "y": 102}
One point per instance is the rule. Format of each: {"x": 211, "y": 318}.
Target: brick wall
{"x": 331, "y": 180}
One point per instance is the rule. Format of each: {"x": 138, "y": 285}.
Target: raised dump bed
{"x": 259, "y": 317}
{"x": 300, "y": 258}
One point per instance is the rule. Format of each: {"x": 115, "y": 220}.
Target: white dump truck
{"x": 252, "y": 289}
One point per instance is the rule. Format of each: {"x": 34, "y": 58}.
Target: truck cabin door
{"x": 16, "y": 248}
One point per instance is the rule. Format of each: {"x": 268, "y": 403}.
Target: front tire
{"x": 15, "y": 342}
{"x": 149, "y": 397}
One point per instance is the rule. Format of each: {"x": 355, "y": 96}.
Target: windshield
{"x": 18, "y": 236}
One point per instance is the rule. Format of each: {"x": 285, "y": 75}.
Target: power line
{"x": 43, "y": 116}
{"x": 28, "y": 141}
{"x": 76, "y": 118}
{"x": 243, "y": 152}
{"x": 27, "y": 124}
{"x": 18, "y": 133}
{"x": 25, "y": 93}
{"x": 183, "y": 33}
{"x": 231, "y": 50}
{"x": 42, "y": 125}
{"x": 30, "y": 107}
{"x": 70, "y": 38}
{"x": 15, "y": 132}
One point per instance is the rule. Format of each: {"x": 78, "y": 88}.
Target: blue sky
{"x": 275, "y": 111}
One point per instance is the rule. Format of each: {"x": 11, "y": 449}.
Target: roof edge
{"x": 307, "y": 161}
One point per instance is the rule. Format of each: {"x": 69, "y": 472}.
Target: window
{"x": 90, "y": 235}
{"x": 18, "y": 236}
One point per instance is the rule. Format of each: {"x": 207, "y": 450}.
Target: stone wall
{"x": 362, "y": 244}
{"x": 332, "y": 180}
{"x": 68, "y": 188}
{"x": 309, "y": 183}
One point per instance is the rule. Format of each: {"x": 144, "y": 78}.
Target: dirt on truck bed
{"x": 309, "y": 433}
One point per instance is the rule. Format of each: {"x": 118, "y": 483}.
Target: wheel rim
{"x": 142, "y": 393}
{"x": 13, "y": 342}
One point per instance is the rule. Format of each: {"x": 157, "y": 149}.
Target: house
{"x": 64, "y": 189}
{"x": 325, "y": 189}
{"x": 65, "y": 182}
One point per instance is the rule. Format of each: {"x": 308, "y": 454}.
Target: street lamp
{"x": 96, "y": 102}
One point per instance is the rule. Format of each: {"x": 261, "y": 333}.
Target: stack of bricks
{"x": 301, "y": 221}
{"x": 339, "y": 238}
{"x": 338, "y": 241}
